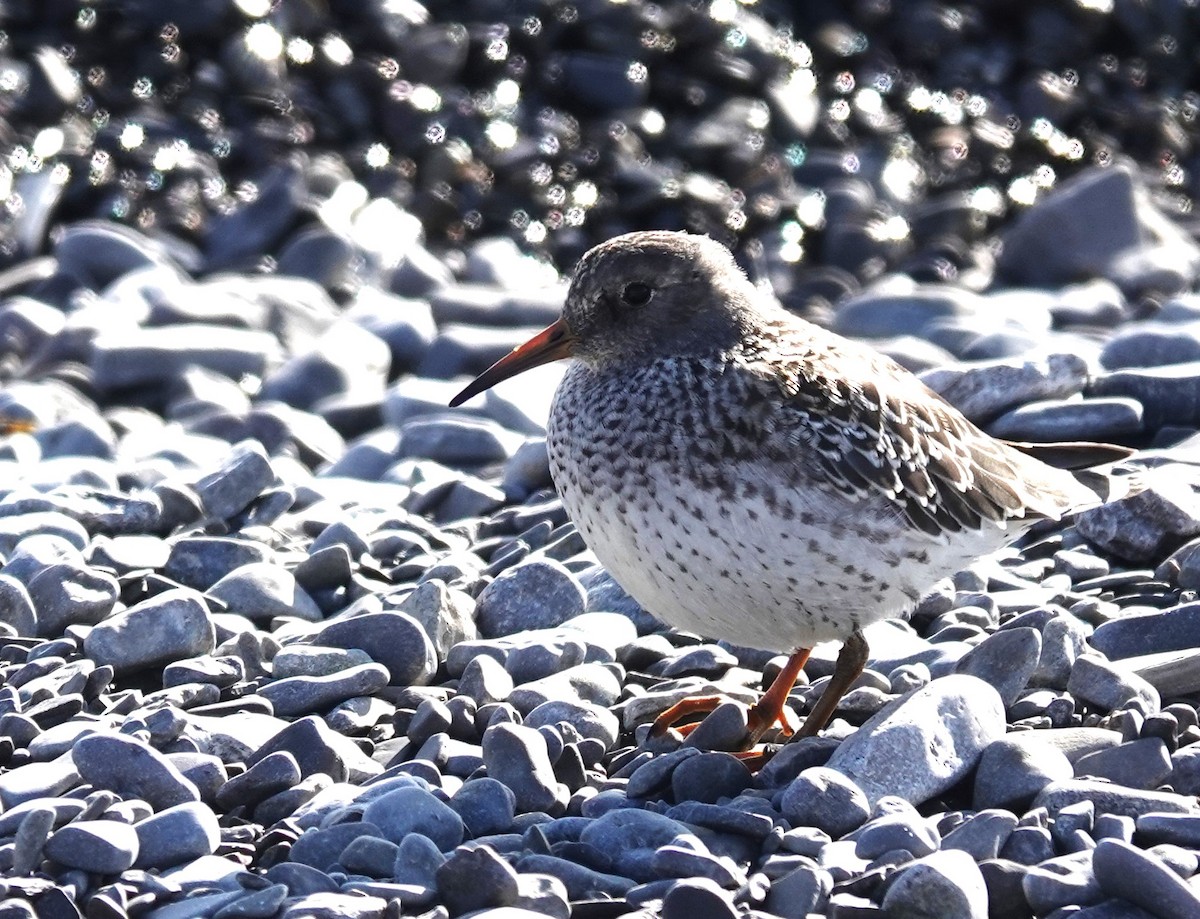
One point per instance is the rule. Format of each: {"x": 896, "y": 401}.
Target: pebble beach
{"x": 282, "y": 636}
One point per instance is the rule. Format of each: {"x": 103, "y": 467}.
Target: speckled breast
{"x": 716, "y": 538}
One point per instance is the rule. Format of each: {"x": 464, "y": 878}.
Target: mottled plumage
{"x": 750, "y": 476}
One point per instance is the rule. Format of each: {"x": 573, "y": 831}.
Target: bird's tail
{"x": 1081, "y": 458}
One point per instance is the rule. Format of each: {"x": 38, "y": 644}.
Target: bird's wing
{"x": 864, "y": 425}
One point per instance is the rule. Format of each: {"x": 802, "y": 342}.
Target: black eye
{"x": 636, "y": 293}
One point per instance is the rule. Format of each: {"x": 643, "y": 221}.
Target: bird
{"x": 750, "y": 476}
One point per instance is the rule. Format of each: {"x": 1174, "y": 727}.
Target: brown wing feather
{"x": 862, "y": 423}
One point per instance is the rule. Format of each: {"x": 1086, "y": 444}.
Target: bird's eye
{"x": 637, "y": 293}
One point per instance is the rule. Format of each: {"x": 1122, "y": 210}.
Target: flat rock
{"x": 924, "y": 742}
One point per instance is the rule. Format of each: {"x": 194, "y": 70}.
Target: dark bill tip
{"x": 552, "y": 343}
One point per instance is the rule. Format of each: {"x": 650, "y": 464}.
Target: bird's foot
{"x": 728, "y": 726}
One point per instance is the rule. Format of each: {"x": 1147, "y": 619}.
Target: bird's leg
{"x": 851, "y": 662}
{"x": 769, "y": 708}
{"x": 762, "y": 715}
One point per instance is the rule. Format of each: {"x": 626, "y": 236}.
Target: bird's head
{"x": 635, "y": 298}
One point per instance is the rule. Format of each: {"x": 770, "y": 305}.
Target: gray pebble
{"x": 393, "y": 639}
{"x": 903, "y": 829}
{"x": 1111, "y": 686}
{"x": 799, "y": 892}
{"x": 322, "y": 848}
{"x": 261, "y": 591}
{"x": 446, "y": 614}
{"x": 1144, "y": 764}
{"x": 132, "y": 769}
{"x": 709, "y": 777}
{"x": 826, "y": 799}
{"x": 1111, "y": 799}
{"x": 153, "y": 356}
{"x": 201, "y": 561}
{"x": 945, "y": 883}
{"x": 456, "y": 441}
{"x": 534, "y": 595}
{"x": 1013, "y": 769}
{"x": 1062, "y": 881}
{"x": 630, "y": 837}
{"x": 475, "y": 878}
{"x": 1140, "y": 525}
{"x": 1130, "y": 874}
{"x": 1104, "y": 420}
{"x": 891, "y": 754}
{"x": 300, "y": 694}
{"x": 486, "y": 806}
{"x": 177, "y": 835}
{"x": 1178, "y": 828}
{"x": 984, "y": 391}
{"x": 983, "y": 834}
{"x": 588, "y": 719}
{"x": 698, "y": 898}
{"x": 1005, "y": 659}
{"x": 98, "y": 846}
{"x": 166, "y": 627}
{"x": 270, "y": 775}
{"x": 1175, "y": 629}
{"x": 517, "y": 756}
{"x": 485, "y": 680}
{"x": 417, "y": 861}
{"x": 414, "y": 810}
{"x": 243, "y": 475}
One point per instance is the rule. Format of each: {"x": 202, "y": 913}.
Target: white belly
{"x": 762, "y": 580}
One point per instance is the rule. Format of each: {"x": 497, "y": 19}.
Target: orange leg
{"x": 763, "y": 714}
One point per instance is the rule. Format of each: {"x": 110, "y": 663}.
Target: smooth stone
{"x": 1006, "y": 660}
{"x": 413, "y": 810}
{"x": 322, "y": 848}
{"x": 98, "y": 846}
{"x": 1013, "y": 769}
{"x": 534, "y": 595}
{"x": 517, "y": 756}
{"x": 177, "y": 835}
{"x": 1128, "y": 873}
{"x": 393, "y": 639}
{"x": 264, "y": 590}
{"x": 799, "y": 892}
{"x": 983, "y": 391}
{"x": 1144, "y": 764}
{"x": 447, "y": 615}
{"x": 486, "y": 806}
{"x": 946, "y": 883}
{"x": 270, "y": 775}
{"x": 242, "y": 476}
{"x": 132, "y": 769}
{"x": 1112, "y": 799}
{"x": 166, "y": 627}
{"x": 297, "y": 695}
{"x": 698, "y": 898}
{"x": 154, "y": 356}
{"x": 1176, "y": 629}
{"x": 1104, "y": 420}
{"x": 825, "y": 798}
{"x": 1178, "y": 829}
{"x": 1140, "y": 525}
{"x": 630, "y": 838}
{"x": 475, "y": 878}
{"x": 589, "y": 719}
{"x": 1111, "y": 686}
{"x": 1061, "y": 881}
{"x": 893, "y": 753}
{"x": 201, "y": 561}
{"x": 983, "y": 834}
